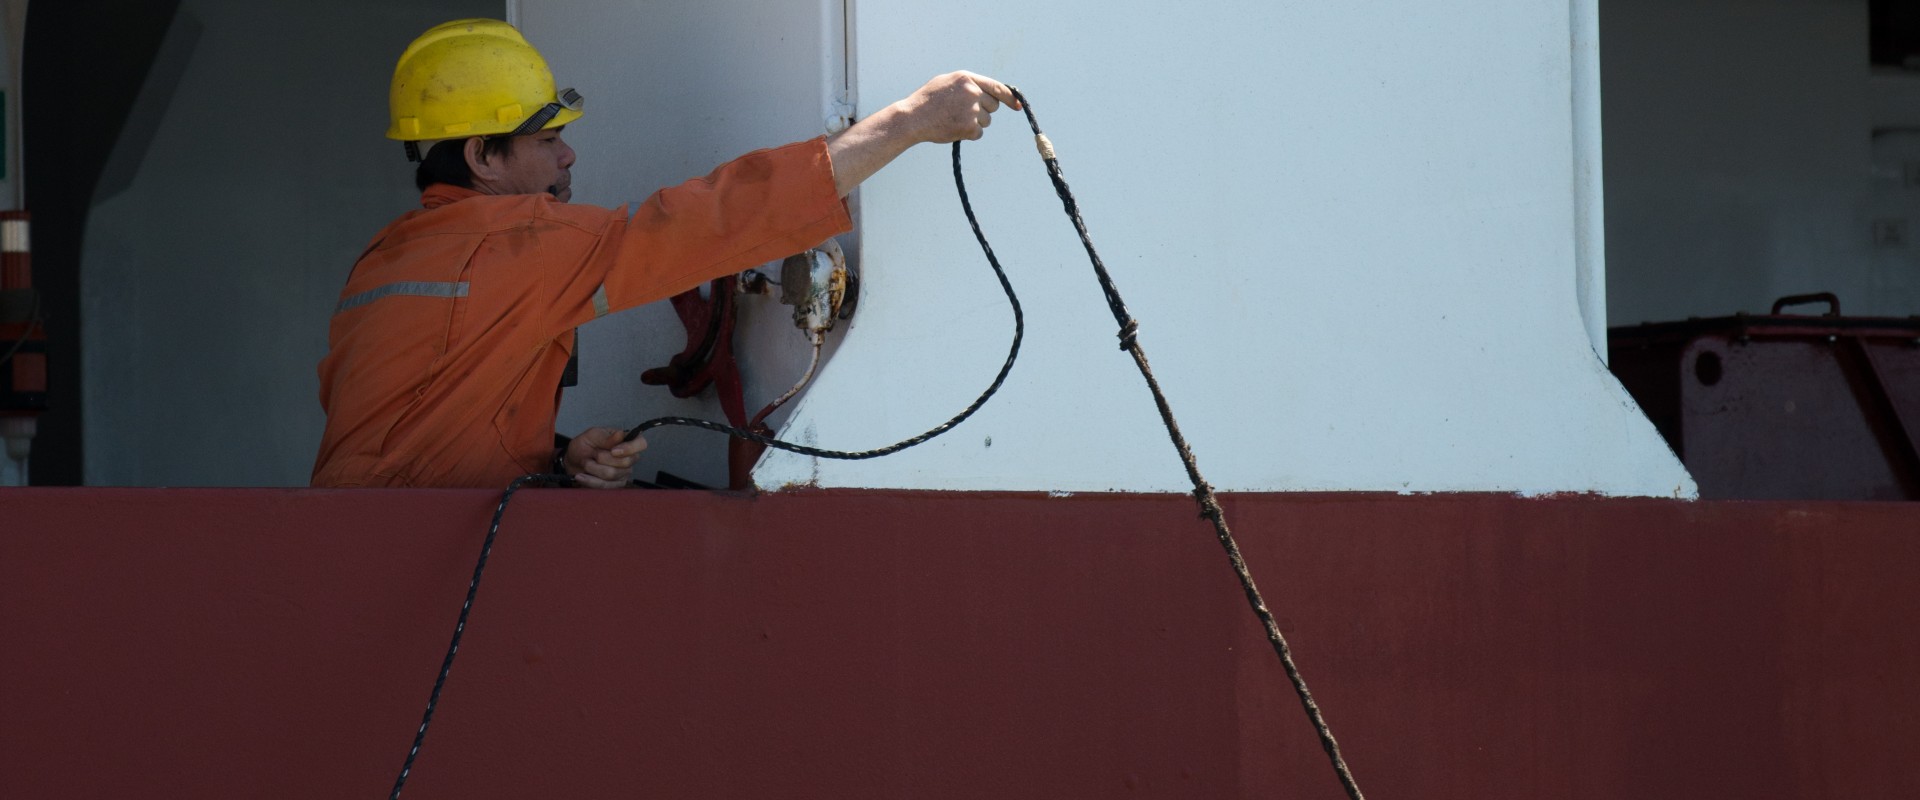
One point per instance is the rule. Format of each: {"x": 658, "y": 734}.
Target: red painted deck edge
{"x": 280, "y": 643}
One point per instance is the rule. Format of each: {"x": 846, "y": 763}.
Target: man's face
{"x": 539, "y": 162}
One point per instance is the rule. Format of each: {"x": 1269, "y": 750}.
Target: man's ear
{"x": 475, "y": 151}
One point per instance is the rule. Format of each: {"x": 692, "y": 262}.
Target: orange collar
{"x": 441, "y": 194}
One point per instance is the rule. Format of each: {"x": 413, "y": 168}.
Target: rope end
{"x": 1046, "y": 147}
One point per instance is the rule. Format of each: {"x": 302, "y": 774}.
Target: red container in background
{"x": 23, "y": 340}
{"x": 1783, "y": 406}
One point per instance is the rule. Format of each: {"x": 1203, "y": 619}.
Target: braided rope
{"x": 1202, "y": 491}
{"x": 1129, "y": 341}
{"x": 459, "y": 628}
{"x": 1013, "y": 352}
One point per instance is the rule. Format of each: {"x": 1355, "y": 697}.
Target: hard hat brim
{"x": 566, "y": 115}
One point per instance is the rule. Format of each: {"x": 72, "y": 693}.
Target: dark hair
{"x": 447, "y": 161}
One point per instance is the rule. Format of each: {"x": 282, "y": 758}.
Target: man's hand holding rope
{"x": 949, "y": 108}
{"x": 598, "y": 459}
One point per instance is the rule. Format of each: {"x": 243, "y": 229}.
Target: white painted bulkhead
{"x": 1357, "y": 242}
{"x": 1354, "y": 242}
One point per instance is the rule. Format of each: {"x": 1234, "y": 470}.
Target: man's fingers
{"x": 608, "y": 440}
{"x": 997, "y": 90}
{"x": 605, "y": 461}
{"x": 597, "y": 483}
{"x": 611, "y": 459}
{"x": 605, "y": 471}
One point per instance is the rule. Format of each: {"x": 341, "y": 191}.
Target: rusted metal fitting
{"x": 815, "y": 284}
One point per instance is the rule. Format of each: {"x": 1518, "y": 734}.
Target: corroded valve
{"x": 815, "y": 284}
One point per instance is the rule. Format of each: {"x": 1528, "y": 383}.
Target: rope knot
{"x": 1209, "y": 507}
{"x": 1129, "y": 332}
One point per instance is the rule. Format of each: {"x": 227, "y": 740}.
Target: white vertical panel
{"x": 1349, "y": 231}
{"x": 1590, "y": 212}
{"x": 674, "y": 90}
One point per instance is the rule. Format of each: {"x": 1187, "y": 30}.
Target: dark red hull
{"x": 266, "y": 643}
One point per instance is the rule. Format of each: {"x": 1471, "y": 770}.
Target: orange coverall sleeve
{"x": 762, "y": 206}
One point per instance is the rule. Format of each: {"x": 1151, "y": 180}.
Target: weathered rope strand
{"x": 459, "y": 628}
{"x": 1013, "y": 353}
{"x": 1202, "y": 492}
{"x": 1129, "y": 328}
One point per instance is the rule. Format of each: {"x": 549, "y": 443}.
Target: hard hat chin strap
{"x": 569, "y": 99}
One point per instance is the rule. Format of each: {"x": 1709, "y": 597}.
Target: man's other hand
{"x": 955, "y": 106}
{"x": 597, "y": 458}
{"x": 951, "y": 107}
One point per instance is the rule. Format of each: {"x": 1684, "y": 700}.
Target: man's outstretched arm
{"x": 951, "y": 107}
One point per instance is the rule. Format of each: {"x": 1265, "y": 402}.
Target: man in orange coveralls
{"x": 448, "y": 345}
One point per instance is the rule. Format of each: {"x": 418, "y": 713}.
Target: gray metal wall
{"x": 252, "y": 173}
{"x": 255, "y": 172}
{"x": 1742, "y": 162}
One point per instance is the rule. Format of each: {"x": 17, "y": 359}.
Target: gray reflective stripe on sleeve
{"x": 600, "y": 301}
{"x": 408, "y": 288}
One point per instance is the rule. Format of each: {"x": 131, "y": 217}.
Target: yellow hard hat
{"x": 474, "y": 77}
